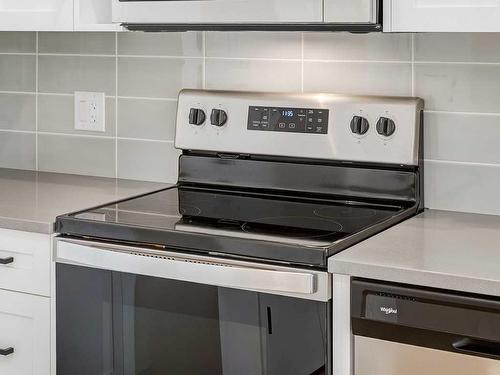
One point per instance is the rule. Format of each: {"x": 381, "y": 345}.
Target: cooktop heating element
{"x": 276, "y": 177}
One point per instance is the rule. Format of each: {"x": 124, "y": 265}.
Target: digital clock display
{"x": 291, "y": 120}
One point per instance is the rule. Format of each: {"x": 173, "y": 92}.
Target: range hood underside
{"x": 349, "y": 27}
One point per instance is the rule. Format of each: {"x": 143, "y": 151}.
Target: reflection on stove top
{"x": 293, "y": 226}
{"x": 290, "y": 219}
{"x": 336, "y": 212}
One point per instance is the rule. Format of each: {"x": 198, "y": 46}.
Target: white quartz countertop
{"x": 31, "y": 201}
{"x": 449, "y": 250}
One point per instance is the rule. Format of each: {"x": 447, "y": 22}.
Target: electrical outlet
{"x": 90, "y": 111}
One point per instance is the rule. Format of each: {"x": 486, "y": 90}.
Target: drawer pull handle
{"x": 7, "y": 260}
{"x": 7, "y": 351}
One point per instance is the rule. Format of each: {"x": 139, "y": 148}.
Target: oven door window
{"x": 111, "y": 323}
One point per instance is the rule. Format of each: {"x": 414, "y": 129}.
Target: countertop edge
{"x": 416, "y": 277}
{"x": 23, "y": 225}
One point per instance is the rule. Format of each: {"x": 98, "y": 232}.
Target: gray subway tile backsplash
{"x": 15, "y": 42}
{"x": 472, "y": 138}
{"x": 147, "y": 119}
{"x": 457, "y": 74}
{"x": 91, "y": 43}
{"x": 17, "y": 150}
{"x": 458, "y": 47}
{"x": 17, "y": 73}
{"x": 261, "y": 75}
{"x": 459, "y": 87}
{"x": 18, "y": 111}
{"x": 280, "y": 45}
{"x": 363, "y": 78}
{"x": 67, "y": 74}
{"x": 357, "y": 47}
{"x": 93, "y": 156}
{"x": 462, "y": 187}
{"x": 189, "y": 44}
{"x": 158, "y": 77}
{"x": 145, "y": 160}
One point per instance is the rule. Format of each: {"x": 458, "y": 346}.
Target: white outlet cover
{"x": 90, "y": 111}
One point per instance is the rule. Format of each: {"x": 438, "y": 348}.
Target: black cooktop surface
{"x": 274, "y": 227}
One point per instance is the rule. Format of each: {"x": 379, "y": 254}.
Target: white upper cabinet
{"x": 442, "y": 15}
{"x": 94, "y": 15}
{"x": 36, "y": 15}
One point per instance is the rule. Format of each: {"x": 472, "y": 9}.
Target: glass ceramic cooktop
{"x": 277, "y": 218}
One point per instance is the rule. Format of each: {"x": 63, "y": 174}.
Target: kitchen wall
{"x": 457, "y": 74}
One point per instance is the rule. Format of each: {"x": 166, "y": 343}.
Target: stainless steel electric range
{"x": 225, "y": 273}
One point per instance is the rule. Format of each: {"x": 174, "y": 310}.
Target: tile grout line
{"x": 249, "y": 58}
{"x": 413, "y": 64}
{"x": 116, "y": 105}
{"x": 20, "y": 92}
{"x": 486, "y": 63}
{"x": 302, "y": 62}
{"x": 36, "y": 100}
{"x": 106, "y": 96}
{"x": 79, "y": 135}
{"x": 457, "y": 162}
{"x": 204, "y": 67}
{"x": 465, "y": 113}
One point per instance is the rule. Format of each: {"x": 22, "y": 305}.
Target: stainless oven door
{"x": 133, "y": 311}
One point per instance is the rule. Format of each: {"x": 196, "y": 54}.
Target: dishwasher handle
{"x": 476, "y": 347}
{"x": 196, "y": 269}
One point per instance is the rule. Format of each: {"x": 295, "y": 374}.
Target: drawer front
{"x": 27, "y": 260}
{"x": 25, "y": 327}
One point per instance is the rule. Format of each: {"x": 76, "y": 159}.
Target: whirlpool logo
{"x": 389, "y": 310}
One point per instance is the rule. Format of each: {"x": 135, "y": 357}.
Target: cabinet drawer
{"x": 443, "y": 16}
{"x": 27, "y": 257}
{"x": 25, "y": 327}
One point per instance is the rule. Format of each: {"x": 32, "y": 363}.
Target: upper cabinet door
{"x": 94, "y": 15}
{"x": 442, "y": 15}
{"x": 351, "y": 11}
{"x": 36, "y": 15}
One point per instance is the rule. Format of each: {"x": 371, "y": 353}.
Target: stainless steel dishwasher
{"x": 405, "y": 330}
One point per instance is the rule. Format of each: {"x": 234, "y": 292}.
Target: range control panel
{"x": 372, "y": 129}
{"x": 295, "y": 120}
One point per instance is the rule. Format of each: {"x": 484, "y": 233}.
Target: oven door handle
{"x": 189, "y": 268}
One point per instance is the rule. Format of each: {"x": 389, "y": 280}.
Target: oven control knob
{"x": 386, "y": 126}
{"x": 359, "y": 125}
{"x": 196, "y": 116}
{"x": 218, "y": 117}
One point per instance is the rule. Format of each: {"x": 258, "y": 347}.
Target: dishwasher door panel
{"x": 379, "y": 357}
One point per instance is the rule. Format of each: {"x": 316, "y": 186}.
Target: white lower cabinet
{"x": 26, "y": 278}
{"x": 25, "y": 262}
{"x": 24, "y": 327}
